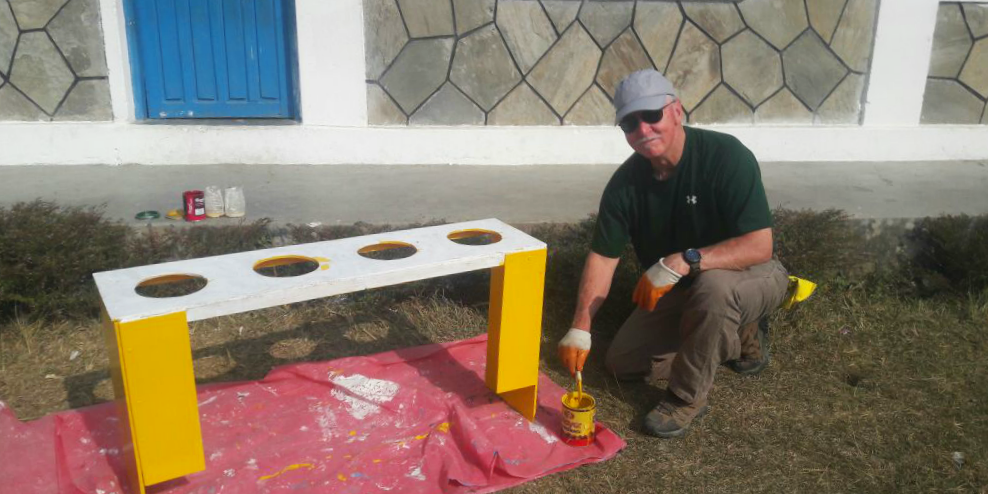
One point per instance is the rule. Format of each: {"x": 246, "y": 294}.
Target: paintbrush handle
{"x": 579, "y": 386}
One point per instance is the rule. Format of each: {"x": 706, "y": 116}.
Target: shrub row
{"x": 49, "y": 252}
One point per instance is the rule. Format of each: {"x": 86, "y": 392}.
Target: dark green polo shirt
{"x": 715, "y": 193}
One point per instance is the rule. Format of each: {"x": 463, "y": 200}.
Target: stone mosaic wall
{"x": 957, "y": 85}
{"x": 553, "y": 62}
{"x": 52, "y": 63}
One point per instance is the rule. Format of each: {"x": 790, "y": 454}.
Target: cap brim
{"x": 640, "y": 104}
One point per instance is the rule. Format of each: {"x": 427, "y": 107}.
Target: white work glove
{"x": 574, "y": 349}
{"x": 655, "y": 283}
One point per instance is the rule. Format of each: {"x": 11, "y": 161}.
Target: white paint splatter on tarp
{"x": 358, "y": 437}
{"x": 252, "y": 464}
{"x": 542, "y": 432}
{"x": 326, "y": 420}
{"x": 364, "y": 393}
{"x": 229, "y": 472}
{"x": 416, "y": 473}
{"x": 356, "y": 407}
{"x": 400, "y": 421}
{"x": 210, "y": 400}
{"x": 215, "y": 455}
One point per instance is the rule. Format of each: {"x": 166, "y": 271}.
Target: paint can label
{"x": 578, "y": 419}
{"x": 194, "y": 202}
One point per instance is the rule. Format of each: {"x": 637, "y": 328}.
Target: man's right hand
{"x": 574, "y": 349}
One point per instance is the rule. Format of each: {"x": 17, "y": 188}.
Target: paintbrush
{"x": 579, "y": 387}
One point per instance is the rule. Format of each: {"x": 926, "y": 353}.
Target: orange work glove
{"x": 574, "y": 349}
{"x": 655, "y": 283}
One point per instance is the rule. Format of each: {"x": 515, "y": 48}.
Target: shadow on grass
{"x": 254, "y": 358}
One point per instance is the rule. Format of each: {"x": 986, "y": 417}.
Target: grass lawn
{"x": 869, "y": 390}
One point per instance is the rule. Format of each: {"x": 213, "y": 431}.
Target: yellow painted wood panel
{"x": 524, "y": 400}
{"x": 132, "y": 463}
{"x": 515, "y": 321}
{"x": 160, "y": 389}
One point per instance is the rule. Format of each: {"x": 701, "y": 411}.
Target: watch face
{"x": 692, "y": 255}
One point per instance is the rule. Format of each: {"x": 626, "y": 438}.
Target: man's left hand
{"x": 655, "y": 283}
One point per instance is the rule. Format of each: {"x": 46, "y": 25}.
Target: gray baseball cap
{"x": 642, "y": 90}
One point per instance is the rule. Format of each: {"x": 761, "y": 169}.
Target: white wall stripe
{"x": 901, "y": 62}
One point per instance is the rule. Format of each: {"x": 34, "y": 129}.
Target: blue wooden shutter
{"x": 215, "y": 58}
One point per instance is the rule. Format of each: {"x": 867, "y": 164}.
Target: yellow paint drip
{"x": 377, "y": 461}
{"x": 443, "y": 427}
{"x": 353, "y": 433}
{"x": 307, "y": 466}
{"x": 341, "y": 477}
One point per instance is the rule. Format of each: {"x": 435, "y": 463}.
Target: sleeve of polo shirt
{"x": 743, "y": 202}
{"x": 611, "y": 233}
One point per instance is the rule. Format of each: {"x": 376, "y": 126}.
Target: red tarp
{"x": 412, "y": 420}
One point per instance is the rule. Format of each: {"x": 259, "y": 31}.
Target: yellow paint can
{"x": 578, "y": 414}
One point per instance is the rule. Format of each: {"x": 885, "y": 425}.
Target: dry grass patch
{"x": 865, "y": 393}
{"x": 871, "y": 388}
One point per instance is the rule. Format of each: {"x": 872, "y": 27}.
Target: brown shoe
{"x": 673, "y": 416}
{"x": 755, "y": 354}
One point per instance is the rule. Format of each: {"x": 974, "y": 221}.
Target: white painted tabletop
{"x": 233, "y": 286}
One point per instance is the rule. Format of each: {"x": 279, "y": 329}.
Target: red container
{"x": 195, "y": 205}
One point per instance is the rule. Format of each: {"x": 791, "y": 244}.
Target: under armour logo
{"x": 691, "y": 200}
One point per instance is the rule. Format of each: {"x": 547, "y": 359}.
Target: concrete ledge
{"x": 345, "y": 194}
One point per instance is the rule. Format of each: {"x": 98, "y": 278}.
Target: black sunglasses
{"x": 630, "y": 122}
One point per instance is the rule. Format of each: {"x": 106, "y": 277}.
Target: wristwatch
{"x": 693, "y": 258}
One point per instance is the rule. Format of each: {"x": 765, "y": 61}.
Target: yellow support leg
{"x": 151, "y": 364}
{"x": 514, "y": 329}
{"x": 134, "y": 479}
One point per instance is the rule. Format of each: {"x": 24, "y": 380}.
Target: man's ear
{"x": 677, "y": 109}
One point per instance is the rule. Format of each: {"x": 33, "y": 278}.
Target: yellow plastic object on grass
{"x": 799, "y": 290}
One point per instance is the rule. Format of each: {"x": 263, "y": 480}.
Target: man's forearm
{"x": 736, "y": 253}
{"x": 598, "y": 271}
{"x": 739, "y": 252}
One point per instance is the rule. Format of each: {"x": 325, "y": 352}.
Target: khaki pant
{"x": 694, "y": 327}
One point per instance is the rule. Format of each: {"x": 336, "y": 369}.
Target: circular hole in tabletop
{"x": 171, "y": 285}
{"x": 388, "y": 251}
{"x": 475, "y": 236}
{"x": 286, "y": 266}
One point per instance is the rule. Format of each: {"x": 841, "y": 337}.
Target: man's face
{"x": 652, "y": 140}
